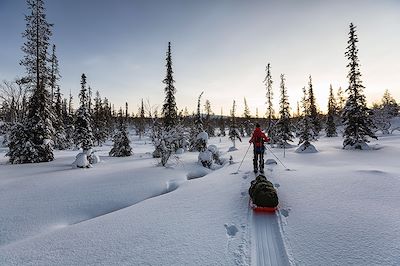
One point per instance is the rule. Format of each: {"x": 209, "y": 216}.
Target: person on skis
{"x": 258, "y": 138}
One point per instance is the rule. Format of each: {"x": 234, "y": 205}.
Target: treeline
{"x": 35, "y": 118}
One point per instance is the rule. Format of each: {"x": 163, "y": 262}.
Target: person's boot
{"x": 255, "y": 168}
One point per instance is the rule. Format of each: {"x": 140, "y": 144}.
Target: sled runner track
{"x": 268, "y": 248}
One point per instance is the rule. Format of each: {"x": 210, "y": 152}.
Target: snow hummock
{"x": 270, "y": 161}
{"x": 232, "y": 148}
{"x": 361, "y": 145}
{"x": 81, "y": 161}
{"x": 203, "y": 136}
{"x": 306, "y": 148}
{"x": 205, "y": 156}
{"x": 198, "y": 172}
{"x": 180, "y": 151}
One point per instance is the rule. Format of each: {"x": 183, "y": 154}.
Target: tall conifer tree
{"x": 54, "y": 73}
{"x": 169, "y": 110}
{"x": 355, "y": 117}
{"x": 330, "y": 128}
{"x": 83, "y": 124}
{"x": 30, "y": 142}
{"x": 270, "y": 109}
{"x": 283, "y": 132}
{"x": 316, "y": 124}
{"x": 121, "y": 146}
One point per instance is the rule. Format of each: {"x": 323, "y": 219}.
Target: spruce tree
{"x": 37, "y": 130}
{"x": 355, "y": 117}
{"x": 270, "y": 109}
{"x": 233, "y": 130}
{"x": 389, "y": 105}
{"x": 60, "y": 138}
{"x": 89, "y": 100}
{"x": 169, "y": 110}
{"x": 247, "y": 125}
{"x": 283, "y": 131}
{"x": 383, "y": 112}
{"x": 121, "y": 146}
{"x": 330, "y": 128}
{"x": 208, "y": 119}
{"x": 316, "y": 124}
{"x": 222, "y": 124}
{"x": 83, "y": 136}
{"x": 341, "y": 100}
{"x": 54, "y": 72}
{"x": 99, "y": 119}
{"x": 195, "y": 143}
{"x": 141, "y": 127}
{"x": 306, "y": 131}
{"x": 198, "y": 120}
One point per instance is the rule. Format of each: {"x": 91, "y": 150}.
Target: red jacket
{"x": 257, "y": 134}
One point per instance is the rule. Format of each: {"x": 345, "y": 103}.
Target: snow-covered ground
{"x": 337, "y": 207}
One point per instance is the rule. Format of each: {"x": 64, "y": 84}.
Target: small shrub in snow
{"x": 215, "y": 154}
{"x": 206, "y": 158}
{"x": 201, "y": 141}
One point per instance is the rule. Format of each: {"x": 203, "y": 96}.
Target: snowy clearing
{"x": 337, "y": 207}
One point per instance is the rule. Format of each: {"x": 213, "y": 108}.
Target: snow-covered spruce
{"x": 233, "y": 130}
{"x": 330, "y": 127}
{"x": 37, "y": 128}
{"x": 121, "y": 146}
{"x": 283, "y": 128}
{"x": 211, "y": 158}
{"x": 206, "y": 158}
{"x": 355, "y": 116}
{"x": 196, "y": 143}
{"x": 83, "y": 137}
{"x": 166, "y": 142}
{"x": 307, "y": 132}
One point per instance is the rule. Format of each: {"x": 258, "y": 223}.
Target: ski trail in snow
{"x": 268, "y": 248}
{"x": 267, "y": 242}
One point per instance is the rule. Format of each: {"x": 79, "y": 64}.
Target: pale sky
{"x": 220, "y": 47}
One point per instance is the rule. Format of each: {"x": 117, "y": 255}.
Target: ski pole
{"x": 243, "y": 159}
{"x": 278, "y": 159}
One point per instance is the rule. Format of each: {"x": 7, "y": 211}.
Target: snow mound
{"x": 198, "y": 172}
{"x": 180, "y": 151}
{"x": 232, "y": 149}
{"x": 81, "y": 161}
{"x": 203, "y": 136}
{"x": 361, "y": 145}
{"x": 95, "y": 158}
{"x": 270, "y": 161}
{"x": 306, "y": 148}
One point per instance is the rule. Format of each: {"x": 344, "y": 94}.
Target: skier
{"x": 258, "y": 138}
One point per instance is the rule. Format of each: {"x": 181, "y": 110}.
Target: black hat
{"x": 257, "y": 125}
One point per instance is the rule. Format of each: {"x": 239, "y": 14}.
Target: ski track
{"x": 267, "y": 243}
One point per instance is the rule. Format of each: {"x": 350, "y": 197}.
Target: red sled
{"x": 261, "y": 209}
